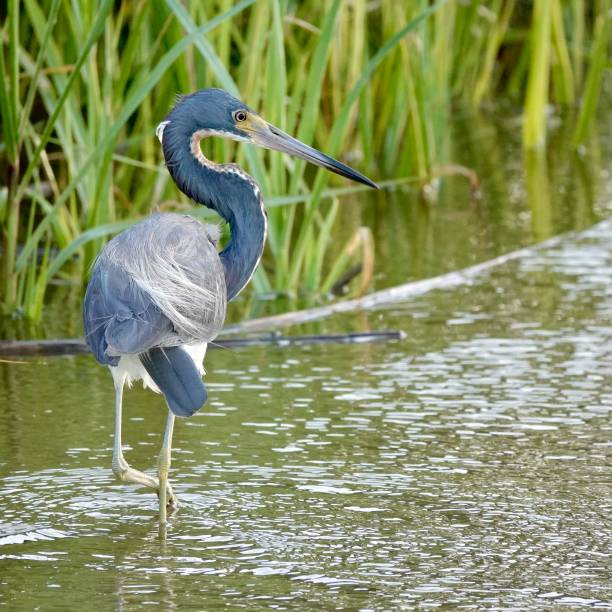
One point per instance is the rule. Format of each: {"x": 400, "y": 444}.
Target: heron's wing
{"x": 158, "y": 284}
{"x": 120, "y": 317}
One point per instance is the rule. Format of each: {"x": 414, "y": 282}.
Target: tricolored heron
{"x": 159, "y": 290}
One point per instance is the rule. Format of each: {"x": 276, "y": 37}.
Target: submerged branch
{"x": 77, "y": 346}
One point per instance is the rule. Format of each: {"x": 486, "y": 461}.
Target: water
{"x": 465, "y": 467}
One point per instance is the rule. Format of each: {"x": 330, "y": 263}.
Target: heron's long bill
{"x": 266, "y": 135}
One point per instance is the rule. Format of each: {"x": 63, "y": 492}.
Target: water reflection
{"x": 538, "y": 194}
{"x": 464, "y": 466}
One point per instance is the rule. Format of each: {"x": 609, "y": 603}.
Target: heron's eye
{"x": 240, "y": 115}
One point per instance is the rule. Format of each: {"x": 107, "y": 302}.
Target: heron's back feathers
{"x": 158, "y": 284}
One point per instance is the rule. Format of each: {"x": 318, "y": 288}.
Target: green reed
{"x": 82, "y": 86}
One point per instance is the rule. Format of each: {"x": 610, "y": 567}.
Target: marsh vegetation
{"x": 83, "y": 85}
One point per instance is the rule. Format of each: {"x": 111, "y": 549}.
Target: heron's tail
{"x": 176, "y": 375}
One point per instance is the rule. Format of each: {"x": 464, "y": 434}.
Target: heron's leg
{"x": 166, "y": 496}
{"x": 121, "y": 468}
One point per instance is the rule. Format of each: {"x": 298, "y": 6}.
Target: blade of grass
{"x": 534, "y": 124}
{"x": 563, "y": 76}
{"x": 8, "y": 110}
{"x": 40, "y": 57}
{"x": 593, "y": 80}
{"x": 312, "y": 278}
{"x": 101, "y": 231}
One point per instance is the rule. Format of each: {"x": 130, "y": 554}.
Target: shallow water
{"x": 467, "y": 466}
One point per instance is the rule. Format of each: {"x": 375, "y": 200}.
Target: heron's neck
{"x": 233, "y": 194}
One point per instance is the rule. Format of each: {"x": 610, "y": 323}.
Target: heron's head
{"x": 214, "y": 112}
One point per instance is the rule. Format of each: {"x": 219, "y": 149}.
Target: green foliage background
{"x": 83, "y": 85}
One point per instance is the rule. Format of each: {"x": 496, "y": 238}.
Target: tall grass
{"x": 82, "y": 86}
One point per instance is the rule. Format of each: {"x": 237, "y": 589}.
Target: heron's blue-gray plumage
{"x": 209, "y": 109}
{"x": 159, "y": 290}
{"x": 162, "y": 283}
{"x": 158, "y": 284}
{"x": 119, "y": 316}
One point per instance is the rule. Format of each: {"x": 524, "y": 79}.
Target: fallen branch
{"x": 77, "y": 346}
{"x": 385, "y": 297}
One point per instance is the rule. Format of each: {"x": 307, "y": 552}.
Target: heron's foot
{"x": 125, "y": 473}
{"x": 171, "y": 500}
